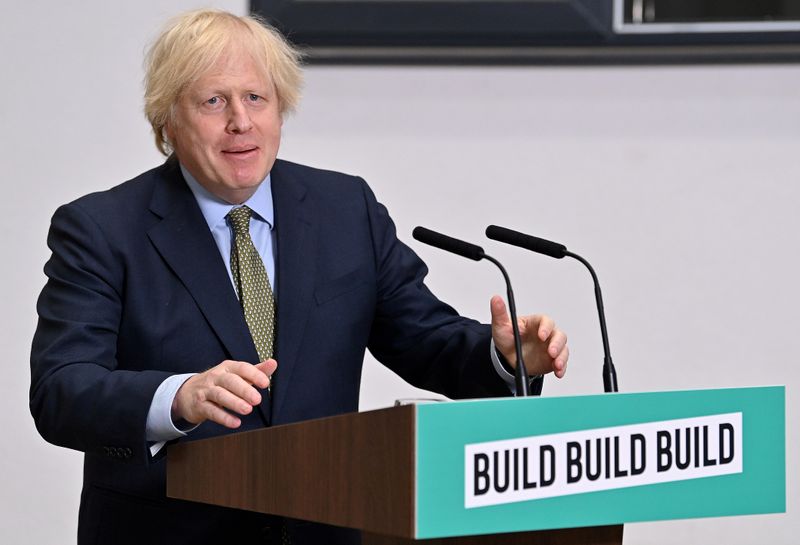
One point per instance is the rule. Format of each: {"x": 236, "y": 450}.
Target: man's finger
{"x": 546, "y": 327}
{"x": 227, "y": 400}
{"x": 558, "y": 340}
{"x": 239, "y": 387}
{"x": 249, "y": 372}
{"x": 212, "y": 412}
{"x": 499, "y": 313}
{"x": 560, "y": 364}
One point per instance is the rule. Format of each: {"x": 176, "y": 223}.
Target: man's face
{"x": 226, "y": 128}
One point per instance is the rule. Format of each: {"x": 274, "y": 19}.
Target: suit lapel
{"x": 184, "y": 241}
{"x": 296, "y": 273}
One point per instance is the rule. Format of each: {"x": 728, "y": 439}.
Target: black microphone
{"x": 529, "y": 242}
{"x": 448, "y": 244}
{"x": 476, "y": 253}
{"x": 554, "y": 249}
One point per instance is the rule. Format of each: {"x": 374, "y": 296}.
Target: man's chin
{"x": 239, "y": 190}
{"x": 249, "y": 176}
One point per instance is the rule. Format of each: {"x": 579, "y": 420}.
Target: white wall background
{"x": 680, "y": 184}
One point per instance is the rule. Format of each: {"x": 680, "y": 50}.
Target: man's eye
{"x": 212, "y": 101}
{"x": 253, "y": 97}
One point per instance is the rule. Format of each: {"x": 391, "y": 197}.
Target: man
{"x": 228, "y": 290}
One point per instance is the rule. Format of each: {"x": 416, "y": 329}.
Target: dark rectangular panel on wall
{"x": 538, "y": 31}
{"x": 437, "y": 22}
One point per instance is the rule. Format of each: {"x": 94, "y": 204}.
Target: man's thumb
{"x": 499, "y": 312}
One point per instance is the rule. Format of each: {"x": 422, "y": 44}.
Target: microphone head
{"x": 534, "y": 244}
{"x": 448, "y": 244}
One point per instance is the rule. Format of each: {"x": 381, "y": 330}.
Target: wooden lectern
{"x": 356, "y": 470}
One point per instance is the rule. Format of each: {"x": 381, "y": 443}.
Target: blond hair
{"x": 192, "y": 43}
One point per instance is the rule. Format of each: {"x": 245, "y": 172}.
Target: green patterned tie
{"x": 252, "y": 284}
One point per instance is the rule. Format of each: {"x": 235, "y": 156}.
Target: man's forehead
{"x": 235, "y": 67}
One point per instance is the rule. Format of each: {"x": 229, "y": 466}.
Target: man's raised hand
{"x": 544, "y": 346}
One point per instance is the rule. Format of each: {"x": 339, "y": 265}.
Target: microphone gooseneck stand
{"x": 559, "y": 251}
{"x": 476, "y": 253}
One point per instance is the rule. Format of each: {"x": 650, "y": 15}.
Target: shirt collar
{"x": 215, "y": 209}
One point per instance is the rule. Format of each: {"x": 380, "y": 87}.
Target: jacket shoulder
{"x": 315, "y": 179}
{"x": 126, "y": 195}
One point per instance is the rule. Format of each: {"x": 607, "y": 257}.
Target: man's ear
{"x": 168, "y": 133}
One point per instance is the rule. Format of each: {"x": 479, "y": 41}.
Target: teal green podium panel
{"x": 519, "y": 464}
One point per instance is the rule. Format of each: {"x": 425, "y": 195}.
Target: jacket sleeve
{"x": 416, "y": 335}
{"x": 79, "y": 397}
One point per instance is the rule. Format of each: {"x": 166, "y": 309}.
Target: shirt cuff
{"x": 160, "y": 428}
{"x": 501, "y": 370}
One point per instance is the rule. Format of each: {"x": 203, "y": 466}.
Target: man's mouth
{"x": 239, "y": 151}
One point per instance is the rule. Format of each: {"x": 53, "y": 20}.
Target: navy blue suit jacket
{"x": 137, "y": 291}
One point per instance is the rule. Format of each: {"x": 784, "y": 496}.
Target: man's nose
{"x": 239, "y": 120}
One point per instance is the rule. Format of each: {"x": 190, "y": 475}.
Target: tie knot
{"x": 240, "y": 219}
